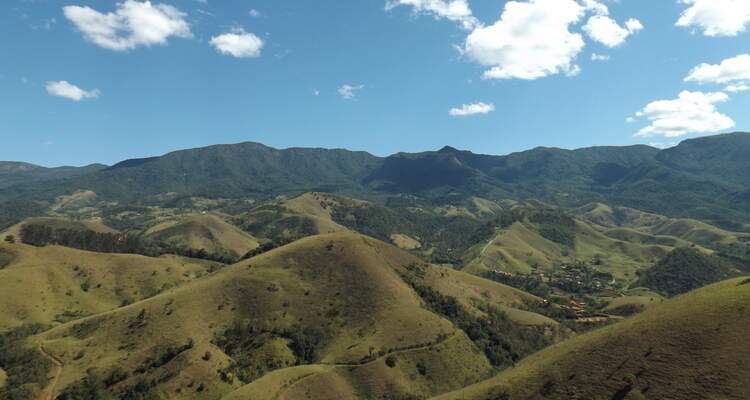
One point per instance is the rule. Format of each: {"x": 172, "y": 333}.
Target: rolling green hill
{"x": 352, "y": 316}
{"x": 207, "y": 232}
{"x": 55, "y": 284}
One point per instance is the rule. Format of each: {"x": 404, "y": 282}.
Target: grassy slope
{"x": 635, "y": 225}
{"x": 305, "y": 215}
{"x": 318, "y": 207}
{"x": 204, "y": 231}
{"x": 353, "y": 291}
{"x": 40, "y": 284}
{"x": 695, "y": 231}
{"x": 519, "y": 247}
{"x": 693, "y": 346}
{"x": 608, "y": 216}
{"x": 55, "y": 223}
{"x": 471, "y": 290}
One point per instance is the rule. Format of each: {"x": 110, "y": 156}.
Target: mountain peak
{"x": 449, "y": 149}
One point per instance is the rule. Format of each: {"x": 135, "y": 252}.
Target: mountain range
{"x": 247, "y": 272}
{"x": 705, "y": 178}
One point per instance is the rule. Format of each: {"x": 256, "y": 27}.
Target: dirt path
{"x": 49, "y": 392}
{"x": 398, "y": 351}
{"x": 494, "y": 238}
{"x": 332, "y": 366}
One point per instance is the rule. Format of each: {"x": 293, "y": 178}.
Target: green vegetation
{"x": 23, "y": 364}
{"x": 685, "y": 269}
{"x": 447, "y": 236}
{"x": 256, "y": 352}
{"x": 502, "y": 341}
{"x": 40, "y": 234}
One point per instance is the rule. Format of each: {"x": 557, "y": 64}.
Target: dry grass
{"x": 55, "y": 284}
{"x": 344, "y": 283}
{"x": 203, "y": 231}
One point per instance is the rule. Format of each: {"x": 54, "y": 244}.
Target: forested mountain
{"x": 702, "y": 178}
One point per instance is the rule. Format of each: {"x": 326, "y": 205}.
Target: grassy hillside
{"x": 59, "y": 223}
{"x": 332, "y": 309}
{"x": 522, "y": 248}
{"x": 53, "y": 285}
{"x": 282, "y": 221}
{"x": 690, "y": 347}
{"x": 343, "y": 287}
{"x": 203, "y": 231}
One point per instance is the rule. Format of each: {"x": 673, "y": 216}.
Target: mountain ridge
{"x": 703, "y": 178}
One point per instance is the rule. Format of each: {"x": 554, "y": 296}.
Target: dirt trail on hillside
{"x": 49, "y": 392}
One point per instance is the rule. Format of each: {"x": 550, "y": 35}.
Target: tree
{"x": 10, "y": 239}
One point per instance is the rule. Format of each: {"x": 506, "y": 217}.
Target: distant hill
{"x": 13, "y": 173}
{"x": 685, "y": 269}
{"x": 206, "y": 232}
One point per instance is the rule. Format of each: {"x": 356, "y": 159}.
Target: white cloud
{"x": 254, "y": 13}
{"x": 132, "y": 24}
{"x": 596, "y": 7}
{"x": 70, "y": 91}
{"x": 737, "y": 88}
{"x": 691, "y": 112}
{"x": 452, "y": 10}
{"x": 238, "y": 43}
{"x": 732, "y": 72}
{"x": 716, "y": 17}
{"x": 608, "y": 32}
{"x": 467, "y": 110}
{"x": 530, "y": 41}
{"x": 349, "y": 91}
{"x": 599, "y": 57}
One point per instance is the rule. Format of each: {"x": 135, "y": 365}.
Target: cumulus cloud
{"x": 716, "y": 17}
{"x": 608, "y": 32}
{"x": 690, "y": 112}
{"x": 733, "y": 72}
{"x": 468, "y": 110}
{"x": 452, "y": 10}
{"x": 254, "y": 13}
{"x": 348, "y": 92}
{"x": 530, "y": 41}
{"x": 238, "y": 43}
{"x": 132, "y": 24}
{"x": 70, "y": 91}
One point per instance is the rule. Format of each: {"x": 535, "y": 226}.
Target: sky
{"x": 94, "y": 81}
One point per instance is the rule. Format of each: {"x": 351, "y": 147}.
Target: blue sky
{"x": 99, "y": 81}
